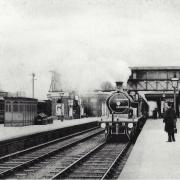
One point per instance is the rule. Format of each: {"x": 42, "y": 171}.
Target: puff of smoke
{"x": 83, "y": 75}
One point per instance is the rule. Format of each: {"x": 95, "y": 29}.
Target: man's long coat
{"x": 170, "y": 120}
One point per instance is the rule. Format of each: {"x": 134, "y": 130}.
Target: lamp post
{"x": 33, "y": 78}
{"x": 164, "y": 96}
{"x": 80, "y": 107}
{"x": 174, "y": 81}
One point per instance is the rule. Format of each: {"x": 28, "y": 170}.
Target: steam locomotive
{"x": 126, "y": 115}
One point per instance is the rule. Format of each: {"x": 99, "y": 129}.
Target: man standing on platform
{"x": 170, "y": 122}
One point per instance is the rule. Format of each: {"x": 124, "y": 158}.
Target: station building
{"x": 65, "y": 105}
{"x": 17, "y": 111}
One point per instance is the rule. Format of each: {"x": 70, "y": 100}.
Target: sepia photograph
{"x": 90, "y": 89}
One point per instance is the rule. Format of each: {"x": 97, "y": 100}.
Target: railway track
{"x": 19, "y": 161}
{"x": 120, "y": 165}
{"x": 98, "y": 163}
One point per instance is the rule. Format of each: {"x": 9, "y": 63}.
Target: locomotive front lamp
{"x": 174, "y": 81}
{"x": 103, "y": 125}
{"x": 130, "y": 125}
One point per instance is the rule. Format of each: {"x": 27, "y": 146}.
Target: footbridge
{"x": 157, "y": 84}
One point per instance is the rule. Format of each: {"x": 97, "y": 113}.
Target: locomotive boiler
{"x": 126, "y": 116}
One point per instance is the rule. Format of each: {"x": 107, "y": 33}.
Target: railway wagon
{"x": 126, "y": 116}
{"x": 44, "y": 107}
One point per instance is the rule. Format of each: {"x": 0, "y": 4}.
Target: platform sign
{"x": 59, "y": 109}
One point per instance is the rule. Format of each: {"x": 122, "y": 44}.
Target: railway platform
{"x": 152, "y": 156}
{"x": 7, "y": 133}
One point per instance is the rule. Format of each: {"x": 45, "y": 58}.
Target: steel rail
{"x": 47, "y": 154}
{"x": 3, "y": 158}
{"x": 62, "y": 173}
{"x": 105, "y": 176}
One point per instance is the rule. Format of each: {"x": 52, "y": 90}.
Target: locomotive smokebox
{"x": 119, "y": 85}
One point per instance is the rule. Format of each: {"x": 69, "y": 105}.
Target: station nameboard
{"x": 59, "y": 109}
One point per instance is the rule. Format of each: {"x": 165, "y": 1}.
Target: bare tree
{"x": 107, "y": 86}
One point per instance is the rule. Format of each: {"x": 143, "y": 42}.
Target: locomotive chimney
{"x": 119, "y": 86}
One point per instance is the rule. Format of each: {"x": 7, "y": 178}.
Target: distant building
{"x": 3, "y": 94}
{"x": 65, "y": 105}
{"x": 20, "y": 94}
{"x": 94, "y": 102}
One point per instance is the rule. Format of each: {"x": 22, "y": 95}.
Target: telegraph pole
{"x": 33, "y": 78}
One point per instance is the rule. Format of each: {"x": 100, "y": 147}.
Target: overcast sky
{"x": 86, "y": 41}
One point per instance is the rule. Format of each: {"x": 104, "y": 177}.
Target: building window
{"x": 15, "y": 107}
{"x": 8, "y": 106}
{"x": 21, "y": 107}
{"x": 141, "y": 75}
{"x": 1, "y": 106}
{"x": 134, "y": 75}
